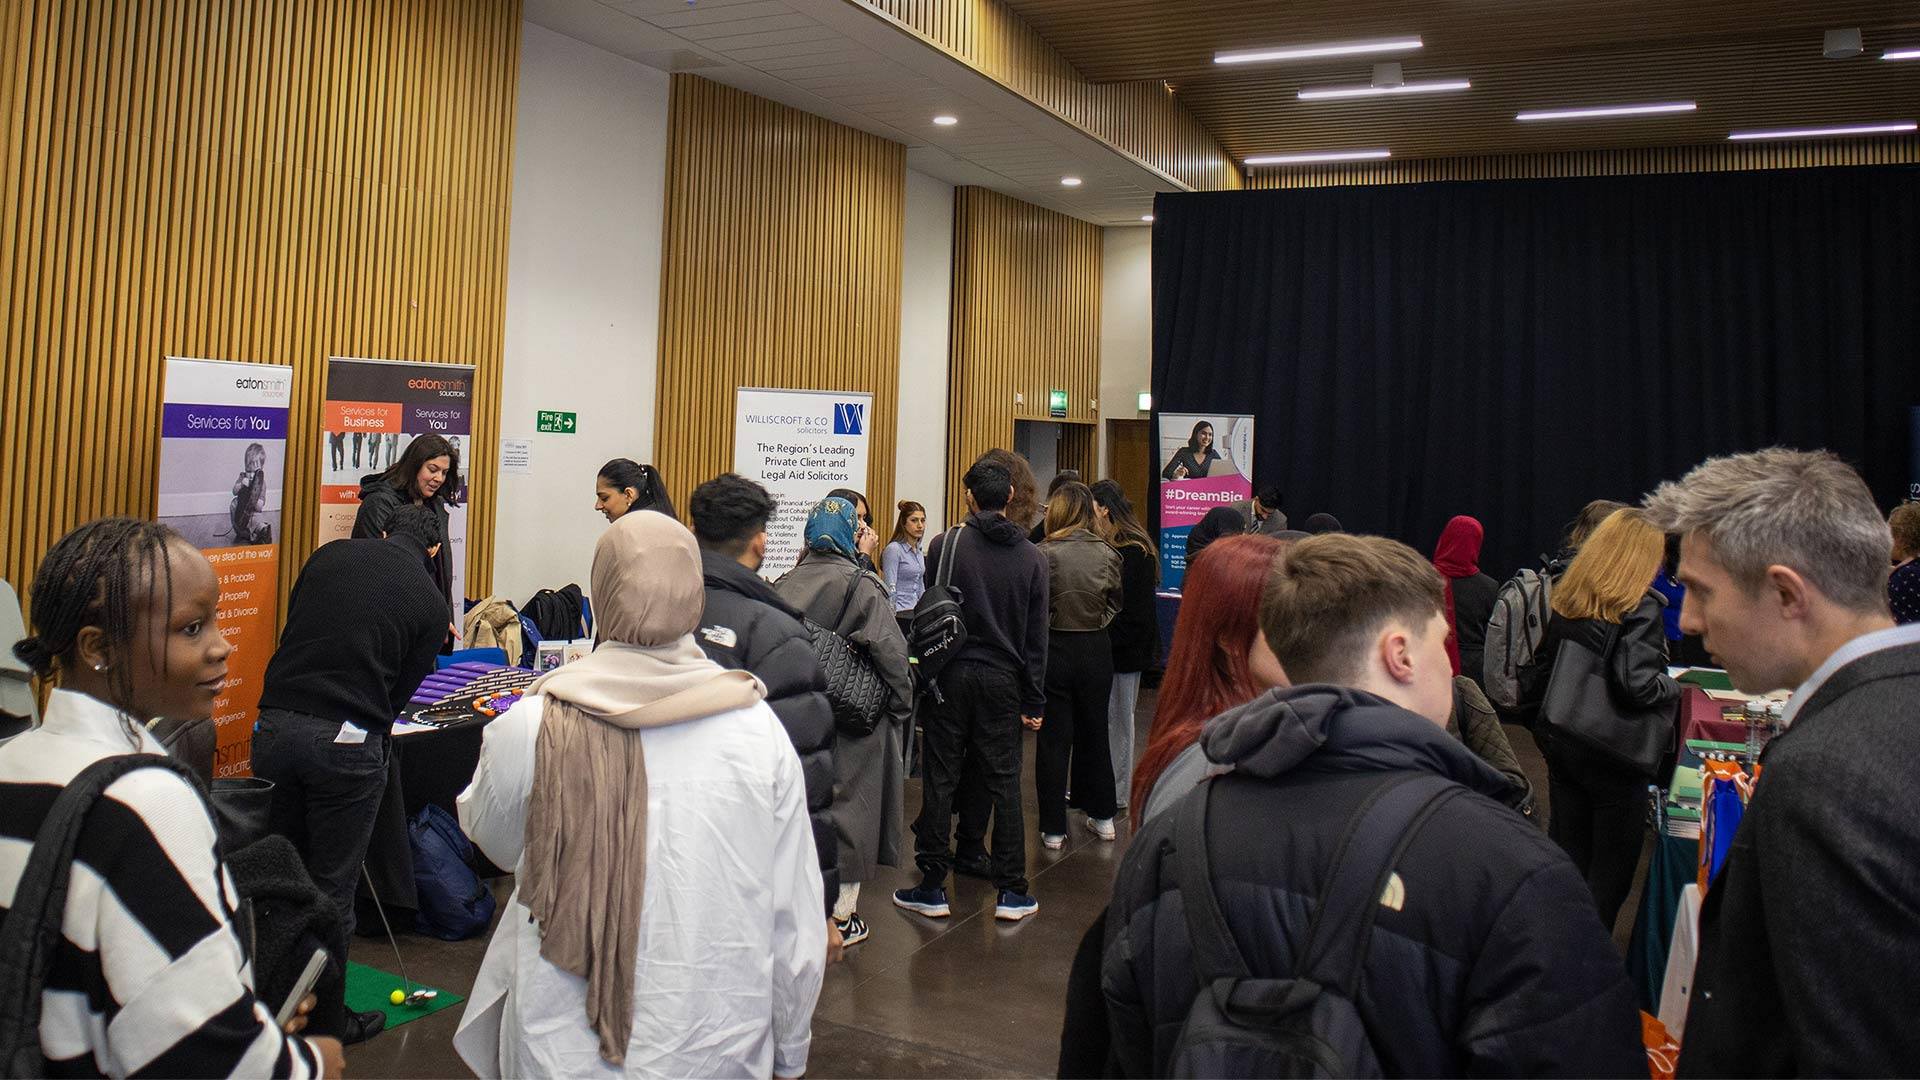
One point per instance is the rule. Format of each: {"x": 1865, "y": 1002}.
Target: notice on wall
{"x": 516, "y": 457}
{"x": 799, "y": 445}
{"x": 374, "y": 410}
{"x": 223, "y": 457}
{"x": 1205, "y": 461}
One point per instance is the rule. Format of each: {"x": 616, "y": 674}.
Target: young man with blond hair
{"x": 1809, "y": 959}
{"x": 1485, "y": 955}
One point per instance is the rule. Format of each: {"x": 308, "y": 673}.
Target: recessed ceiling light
{"x": 1607, "y": 110}
{"x": 946, "y": 121}
{"x": 1308, "y": 159}
{"x": 1901, "y": 54}
{"x": 1893, "y": 128}
{"x": 1069, "y": 181}
{"x": 1309, "y": 52}
{"x": 1146, "y": 217}
{"x": 1431, "y": 86}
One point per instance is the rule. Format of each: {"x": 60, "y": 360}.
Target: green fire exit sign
{"x": 1056, "y": 403}
{"x": 562, "y": 422}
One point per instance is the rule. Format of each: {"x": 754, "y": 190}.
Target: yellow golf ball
{"x": 397, "y": 997}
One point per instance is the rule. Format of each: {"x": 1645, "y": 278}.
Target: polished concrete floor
{"x": 961, "y": 996}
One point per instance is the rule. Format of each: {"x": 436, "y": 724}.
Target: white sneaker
{"x": 1102, "y": 827}
{"x": 1053, "y": 841}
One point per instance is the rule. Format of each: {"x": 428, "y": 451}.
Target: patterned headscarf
{"x": 831, "y": 526}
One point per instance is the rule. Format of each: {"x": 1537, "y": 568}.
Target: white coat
{"x": 732, "y": 945}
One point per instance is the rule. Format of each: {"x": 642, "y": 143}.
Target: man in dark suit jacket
{"x": 1809, "y": 959}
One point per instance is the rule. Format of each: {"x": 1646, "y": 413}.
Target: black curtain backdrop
{"x": 1512, "y": 349}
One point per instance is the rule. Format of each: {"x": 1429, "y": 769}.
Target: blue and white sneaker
{"x": 924, "y": 900}
{"x": 1015, "y": 906}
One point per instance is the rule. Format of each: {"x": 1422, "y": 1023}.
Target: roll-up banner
{"x": 374, "y": 409}
{"x": 223, "y": 455}
{"x": 799, "y": 445}
{"x": 1206, "y": 460}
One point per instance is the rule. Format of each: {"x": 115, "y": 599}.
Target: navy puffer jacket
{"x": 1495, "y": 963}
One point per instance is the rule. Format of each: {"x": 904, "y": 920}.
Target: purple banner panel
{"x": 436, "y": 419}
{"x": 222, "y": 422}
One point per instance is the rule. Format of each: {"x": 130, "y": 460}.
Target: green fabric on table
{"x": 369, "y": 989}
{"x": 1706, "y": 678}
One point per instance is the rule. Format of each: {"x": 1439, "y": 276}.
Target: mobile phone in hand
{"x": 301, "y": 987}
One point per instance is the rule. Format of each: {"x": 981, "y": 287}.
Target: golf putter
{"x": 415, "y": 995}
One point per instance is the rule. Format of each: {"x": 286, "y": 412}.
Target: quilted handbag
{"x": 854, "y": 687}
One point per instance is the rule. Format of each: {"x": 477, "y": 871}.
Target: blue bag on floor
{"x": 454, "y": 903}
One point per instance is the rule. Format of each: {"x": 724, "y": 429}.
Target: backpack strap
{"x": 949, "y": 554}
{"x": 31, "y": 930}
{"x": 1377, "y": 834}
{"x": 1215, "y": 953}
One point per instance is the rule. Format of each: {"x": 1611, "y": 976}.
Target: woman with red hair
{"x": 1219, "y": 660}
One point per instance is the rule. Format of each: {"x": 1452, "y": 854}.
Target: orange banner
{"x": 248, "y": 601}
{"x": 362, "y": 416}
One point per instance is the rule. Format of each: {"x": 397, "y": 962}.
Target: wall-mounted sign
{"x": 1056, "y": 403}
{"x": 562, "y": 423}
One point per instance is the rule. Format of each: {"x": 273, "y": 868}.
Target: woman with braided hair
{"x": 148, "y": 974}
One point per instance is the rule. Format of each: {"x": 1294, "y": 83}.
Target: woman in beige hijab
{"x": 665, "y": 919}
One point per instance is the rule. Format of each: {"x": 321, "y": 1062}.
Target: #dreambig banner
{"x": 223, "y": 455}
{"x": 374, "y": 408}
{"x": 1205, "y": 461}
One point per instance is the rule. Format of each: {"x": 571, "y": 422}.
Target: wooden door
{"x": 1130, "y": 460}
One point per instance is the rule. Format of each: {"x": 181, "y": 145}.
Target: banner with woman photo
{"x": 374, "y": 411}
{"x": 223, "y": 456}
{"x": 1206, "y": 460}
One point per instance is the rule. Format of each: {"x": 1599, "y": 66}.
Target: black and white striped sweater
{"x": 150, "y": 978}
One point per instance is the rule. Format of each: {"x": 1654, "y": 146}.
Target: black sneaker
{"x": 978, "y": 866}
{"x": 362, "y": 1026}
{"x": 853, "y": 929}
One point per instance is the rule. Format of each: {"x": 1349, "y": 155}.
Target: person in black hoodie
{"x": 364, "y": 623}
{"x": 988, "y": 691}
{"x": 427, "y": 473}
{"x": 1485, "y": 956}
{"x": 748, "y": 627}
{"x": 1605, "y": 601}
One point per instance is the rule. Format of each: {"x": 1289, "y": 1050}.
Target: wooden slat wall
{"x": 1141, "y": 119}
{"x": 239, "y": 179}
{"x": 783, "y": 242}
{"x": 1722, "y": 157}
{"x": 1026, "y": 320}
{"x": 1079, "y": 449}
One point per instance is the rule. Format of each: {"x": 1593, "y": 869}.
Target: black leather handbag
{"x": 1580, "y": 707}
{"x": 854, "y": 687}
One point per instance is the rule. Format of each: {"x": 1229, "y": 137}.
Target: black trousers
{"x": 326, "y": 795}
{"x": 1598, "y": 816}
{"x": 981, "y": 714}
{"x": 973, "y": 804}
{"x": 1073, "y": 741}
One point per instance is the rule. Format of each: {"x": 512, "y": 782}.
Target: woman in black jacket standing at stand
{"x": 427, "y": 474}
{"x": 1083, "y": 597}
{"x": 1135, "y": 631}
{"x": 1597, "y": 807}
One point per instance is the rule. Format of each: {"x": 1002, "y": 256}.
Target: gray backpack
{"x": 1305, "y": 1025}
{"x": 1520, "y": 614}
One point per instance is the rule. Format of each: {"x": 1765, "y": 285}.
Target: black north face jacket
{"x": 747, "y": 627}
{"x": 1495, "y": 962}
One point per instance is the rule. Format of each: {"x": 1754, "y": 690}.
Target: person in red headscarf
{"x": 1470, "y": 594}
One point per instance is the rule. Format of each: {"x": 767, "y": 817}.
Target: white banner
{"x": 799, "y": 445}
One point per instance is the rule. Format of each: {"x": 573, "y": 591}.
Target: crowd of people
{"x": 691, "y": 810}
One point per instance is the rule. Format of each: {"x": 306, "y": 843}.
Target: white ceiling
{"x": 840, "y": 60}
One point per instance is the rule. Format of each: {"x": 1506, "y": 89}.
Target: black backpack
{"x": 31, "y": 930}
{"x": 1305, "y": 1025}
{"x": 556, "y": 613}
{"x": 938, "y": 630}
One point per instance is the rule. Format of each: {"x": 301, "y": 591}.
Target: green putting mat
{"x": 370, "y": 988}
